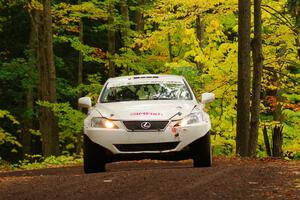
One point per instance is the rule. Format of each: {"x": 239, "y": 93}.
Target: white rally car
{"x": 146, "y": 116}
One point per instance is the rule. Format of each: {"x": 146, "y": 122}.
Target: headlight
{"x": 192, "y": 118}
{"x": 99, "y": 122}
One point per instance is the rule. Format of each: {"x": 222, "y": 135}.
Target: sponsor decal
{"x": 146, "y": 114}
{"x": 143, "y": 82}
{"x": 175, "y": 130}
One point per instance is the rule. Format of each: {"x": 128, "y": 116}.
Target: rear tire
{"x": 201, "y": 151}
{"x": 93, "y": 156}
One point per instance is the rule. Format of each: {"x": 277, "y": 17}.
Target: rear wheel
{"x": 201, "y": 151}
{"x": 93, "y": 156}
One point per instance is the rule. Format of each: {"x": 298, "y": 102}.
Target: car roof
{"x": 146, "y": 77}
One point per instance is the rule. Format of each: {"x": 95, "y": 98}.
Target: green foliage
{"x": 6, "y": 137}
{"x": 16, "y": 78}
{"x": 293, "y": 98}
{"x": 37, "y": 162}
{"x": 66, "y": 17}
{"x": 294, "y": 8}
{"x": 22, "y": 69}
{"x": 70, "y": 122}
{"x": 92, "y": 89}
{"x": 89, "y": 53}
{"x": 132, "y": 63}
{"x": 291, "y": 131}
{"x": 213, "y": 66}
{"x": 209, "y": 65}
{"x": 191, "y": 74}
{"x": 68, "y": 117}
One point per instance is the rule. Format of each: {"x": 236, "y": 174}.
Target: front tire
{"x": 201, "y": 151}
{"x": 93, "y": 156}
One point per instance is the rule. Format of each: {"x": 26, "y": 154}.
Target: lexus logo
{"x": 145, "y": 125}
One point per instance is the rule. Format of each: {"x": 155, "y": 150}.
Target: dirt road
{"x": 227, "y": 179}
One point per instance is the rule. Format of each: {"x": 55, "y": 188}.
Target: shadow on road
{"x": 111, "y": 168}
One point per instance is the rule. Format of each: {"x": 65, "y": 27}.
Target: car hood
{"x": 146, "y": 110}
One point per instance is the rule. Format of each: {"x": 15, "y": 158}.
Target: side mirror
{"x": 207, "y": 97}
{"x": 85, "y": 102}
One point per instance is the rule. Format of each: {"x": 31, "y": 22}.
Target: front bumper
{"x": 168, "y": 140}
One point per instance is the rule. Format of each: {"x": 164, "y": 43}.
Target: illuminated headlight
{"x": 192, "y": 118}
{"x": 99, "y": 122}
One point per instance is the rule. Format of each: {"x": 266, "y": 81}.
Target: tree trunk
{"x": 297, "y": 41}
{"x": 200, "y": 37}
{"x": 170, "y": 48}
{"x": 125, "y": 17}
{"x": 47, "y": 82}
{"x": 125, "y": 26}
{"x": 277, "y": 115}
{"x": 28, "y": 123}
{"x": 200, "y": 31}
{"x": 80, "y": 56}
{"x": 256, "y": 80}
{"x": 277, "y": 138}
{"x": 298, "y": 47}
{"x": 139, "y": 16}
{"x": 243, "y": 99}
{"x": 80, "y": 79}
{"x": 277, "y": 141}
{"x": 111, "y": 39}
{"x": 267, "y": 142}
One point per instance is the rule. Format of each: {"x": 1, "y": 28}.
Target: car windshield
{"x": 157, "y": 91}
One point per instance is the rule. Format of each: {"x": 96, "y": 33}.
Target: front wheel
{"x": 93, "y": 156}
{"x": 201, "y": 151}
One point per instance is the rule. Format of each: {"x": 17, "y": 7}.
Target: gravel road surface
{"x": 229, "y": 178}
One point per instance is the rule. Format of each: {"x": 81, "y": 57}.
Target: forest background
{"x": 98, "y": 39}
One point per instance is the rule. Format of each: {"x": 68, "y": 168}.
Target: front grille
{"x": 147, "y": 146}
{"x": 137, "y": 125}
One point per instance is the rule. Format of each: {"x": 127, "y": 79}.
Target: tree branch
{"x": 287, "y": 23}
{"x": 266, "y": 68}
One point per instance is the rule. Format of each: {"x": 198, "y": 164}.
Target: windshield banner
{"x": 142, "y": 82}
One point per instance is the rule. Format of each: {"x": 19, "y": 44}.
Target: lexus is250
{"x": 146, "y": 116}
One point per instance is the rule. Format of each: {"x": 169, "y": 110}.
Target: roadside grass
{"x": 39, "y": 162}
